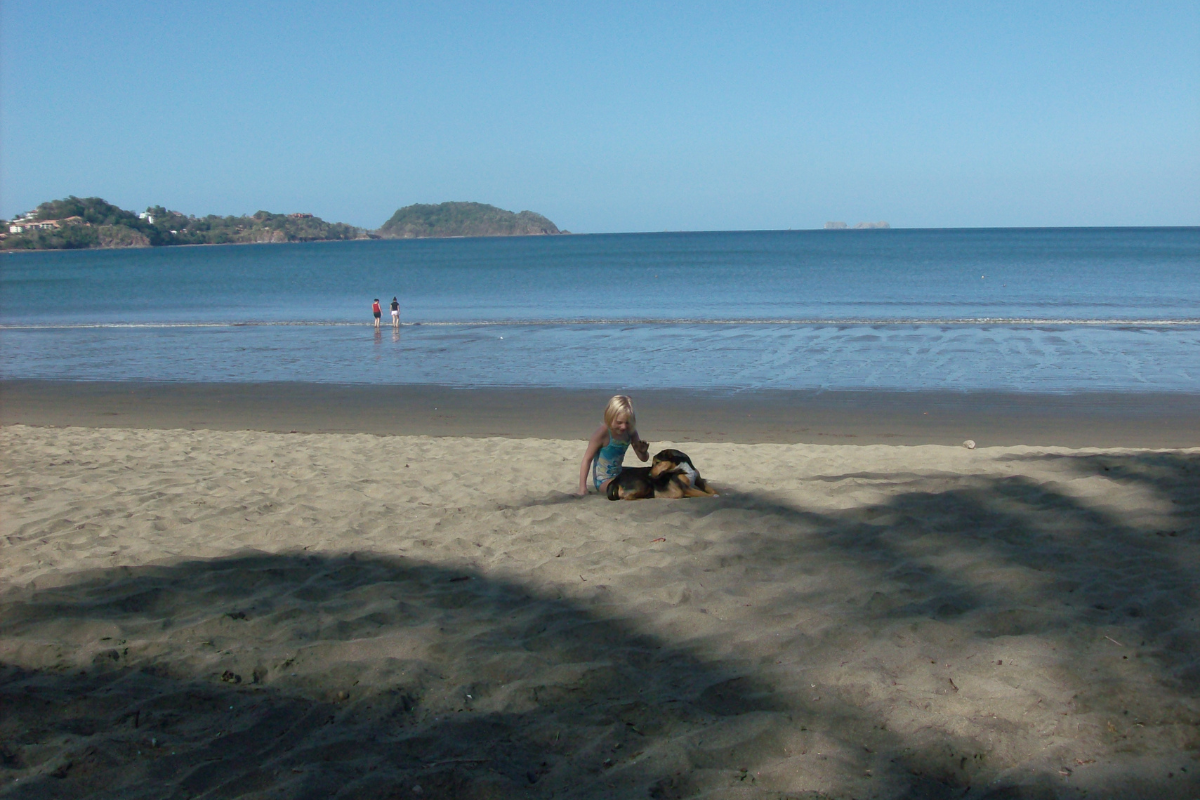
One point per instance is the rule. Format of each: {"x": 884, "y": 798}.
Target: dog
{"x": 672, "y": 475}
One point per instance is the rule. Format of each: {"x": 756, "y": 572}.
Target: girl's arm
{"x": 589, "y": 455}
{"x": 640, "y": 447}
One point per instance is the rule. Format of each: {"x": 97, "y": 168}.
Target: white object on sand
{"x": 969, "y": 444}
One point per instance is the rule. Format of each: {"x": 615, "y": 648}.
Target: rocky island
{"x": 862, "y": 226}
{"x": 463, "y": 219}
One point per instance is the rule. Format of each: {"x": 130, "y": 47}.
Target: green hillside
{"x": 91, "y": 222}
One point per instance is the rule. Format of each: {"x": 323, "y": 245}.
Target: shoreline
{"x": 1099, "y": 419}
{"x": 295, "y": 241}
{"x": 625, "y": 233}
{"x": 168, "y": 246}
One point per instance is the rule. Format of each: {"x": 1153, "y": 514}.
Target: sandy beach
{"x": 375, "y": 614}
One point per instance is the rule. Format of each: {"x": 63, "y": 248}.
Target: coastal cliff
{"x": 422, "y": 221}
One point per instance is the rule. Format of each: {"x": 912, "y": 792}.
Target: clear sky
{"x": 611, "y": 116}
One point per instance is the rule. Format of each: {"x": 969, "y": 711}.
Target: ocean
{"x": 1027, "y": 310}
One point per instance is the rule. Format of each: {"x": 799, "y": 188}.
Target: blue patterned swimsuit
{"x": 608, "y": 461}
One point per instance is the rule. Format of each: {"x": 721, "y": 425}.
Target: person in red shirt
{"x": 377, "y": 311}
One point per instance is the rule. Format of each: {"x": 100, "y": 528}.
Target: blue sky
{"x": 611, "y": 117}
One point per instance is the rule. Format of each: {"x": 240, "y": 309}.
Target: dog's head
{"x": 666, "y": 461}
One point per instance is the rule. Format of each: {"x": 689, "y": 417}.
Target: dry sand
{"x": 251, "y": 614}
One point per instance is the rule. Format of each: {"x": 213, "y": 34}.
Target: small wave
{"x": 799, "y": 321}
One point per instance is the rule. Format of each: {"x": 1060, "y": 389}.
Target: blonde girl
{"x": 606, "y": 449}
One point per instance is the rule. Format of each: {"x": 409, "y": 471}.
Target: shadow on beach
{"x": 365, "y": 676}
{"x": 998, "y": 564}
{"x": 357, "y": 676}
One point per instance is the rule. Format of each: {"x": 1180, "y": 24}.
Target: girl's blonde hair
{"x": 619, "y": 406}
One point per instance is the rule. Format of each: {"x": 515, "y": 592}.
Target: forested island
{"x": 82, "y": 223}
{"x": 463, "y": 219}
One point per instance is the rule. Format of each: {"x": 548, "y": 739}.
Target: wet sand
{"x": 783, "y": 417}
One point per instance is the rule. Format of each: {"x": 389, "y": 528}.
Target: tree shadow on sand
{"x": 353, "y": 677}
{"x": 1011, "y": 563}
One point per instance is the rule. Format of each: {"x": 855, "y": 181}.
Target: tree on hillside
{"x": 91, "y": 209}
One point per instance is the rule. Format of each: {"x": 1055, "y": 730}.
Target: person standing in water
{"x": 376, "y": 311}
{"x": 395, "y": 313}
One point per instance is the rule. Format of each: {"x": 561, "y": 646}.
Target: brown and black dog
{"x": 671, "y": 475}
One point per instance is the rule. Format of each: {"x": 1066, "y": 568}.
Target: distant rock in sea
{"x": 862, "y": 226}
{"x": 423, "y": 221}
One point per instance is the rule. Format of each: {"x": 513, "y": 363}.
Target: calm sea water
{"x": 1045, "y": 310}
